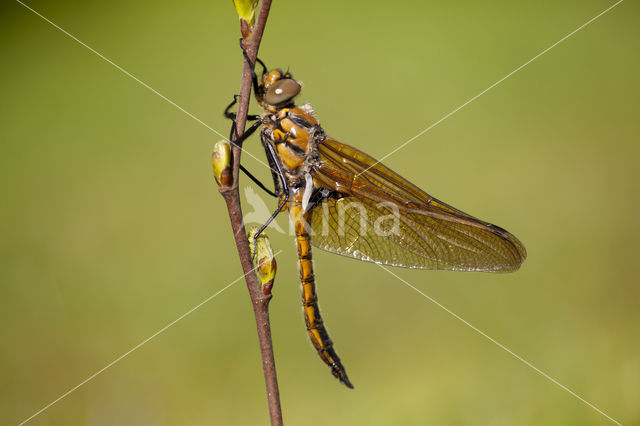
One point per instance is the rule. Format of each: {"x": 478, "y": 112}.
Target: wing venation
{"x": 383, "y": 218}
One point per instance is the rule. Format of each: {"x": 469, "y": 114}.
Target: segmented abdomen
{"x": 315, "y": 327}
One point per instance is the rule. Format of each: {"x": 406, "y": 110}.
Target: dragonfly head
{"x": 278, "y": 89}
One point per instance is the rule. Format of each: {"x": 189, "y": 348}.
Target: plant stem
{"x": 259, "y": 301}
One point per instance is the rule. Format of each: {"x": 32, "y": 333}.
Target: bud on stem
{"x": 221, "y": 162}
{"x": 263, "y": 259}
{"x": 247, "y": 12}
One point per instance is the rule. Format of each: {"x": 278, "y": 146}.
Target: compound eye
{"x": 282, "y": 91}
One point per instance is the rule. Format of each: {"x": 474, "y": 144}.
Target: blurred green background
{"x": 112, "y": 226}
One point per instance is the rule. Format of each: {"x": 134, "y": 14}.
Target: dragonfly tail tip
{"x": 345, "y": 380}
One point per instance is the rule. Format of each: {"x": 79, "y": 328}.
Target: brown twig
{"x": 260, "y": 302}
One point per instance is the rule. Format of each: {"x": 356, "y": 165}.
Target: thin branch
{"x": 260, "y": 302}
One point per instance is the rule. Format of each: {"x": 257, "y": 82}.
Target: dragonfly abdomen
{"x": 313, "y": 320}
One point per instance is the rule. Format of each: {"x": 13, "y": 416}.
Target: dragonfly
{"x": 343, "y": 201}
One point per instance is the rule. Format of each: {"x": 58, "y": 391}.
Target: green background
{"x": 112, "y": 226}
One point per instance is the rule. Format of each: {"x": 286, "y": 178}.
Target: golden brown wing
{"x": 383, "y": 218}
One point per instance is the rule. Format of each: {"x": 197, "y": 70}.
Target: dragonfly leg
{"x": 244, "y": 169}
{"x": 232, "y": 115}
{"x": 257, "y": 181}
{"x": 280, "y": 182}
{"x": 254, "y": 77}
{"x": 283, "y": 201}
{"x": 251, "y": 130}
{"x": 251, "y": 117}
{"x": 279, "y": 178}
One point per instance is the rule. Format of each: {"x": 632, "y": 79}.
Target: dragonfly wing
{"x": 379, "y": 216}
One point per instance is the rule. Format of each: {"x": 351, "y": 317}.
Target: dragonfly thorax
{"x": 295, "y": 133}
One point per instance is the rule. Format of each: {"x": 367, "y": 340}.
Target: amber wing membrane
{"x": 383, "y": 218}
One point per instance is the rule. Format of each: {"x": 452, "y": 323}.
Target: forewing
{"x": 379, "y": 216}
